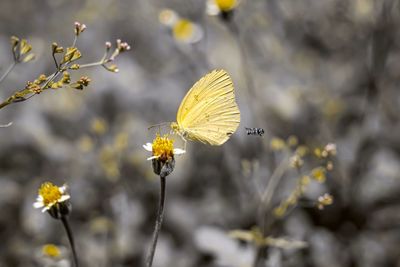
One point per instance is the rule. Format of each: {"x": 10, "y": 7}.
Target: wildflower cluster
{"x": 324, "y": 156}
{"x": 255, "y": 236}
{"x": 65, "y": 60}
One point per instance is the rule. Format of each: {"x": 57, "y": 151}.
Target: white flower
{"x": 50, "y": 195}
{"x": 162, "y": 147}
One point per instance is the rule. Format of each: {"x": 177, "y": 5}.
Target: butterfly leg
{"x": 185, "y": 141}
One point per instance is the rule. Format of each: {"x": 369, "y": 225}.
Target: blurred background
{"x": 322, "y": 71}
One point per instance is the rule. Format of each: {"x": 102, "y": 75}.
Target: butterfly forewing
{"x": 209, "y": 112}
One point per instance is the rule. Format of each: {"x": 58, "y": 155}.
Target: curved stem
{"x": 70, "y": 239}
{"x": 10, "y": 68}
{"x": 160, "y": 213}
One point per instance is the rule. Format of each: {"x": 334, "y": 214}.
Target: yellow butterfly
{"x": 209, "y": 112}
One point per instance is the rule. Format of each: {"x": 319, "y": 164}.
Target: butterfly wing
{"x": 209, "y": 113}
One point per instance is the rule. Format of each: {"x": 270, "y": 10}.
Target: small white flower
{"x": 49, "y": 195}
{"x": 162, "y": 147}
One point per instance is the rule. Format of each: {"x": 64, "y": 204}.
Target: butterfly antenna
{"x": 158, "y": 125}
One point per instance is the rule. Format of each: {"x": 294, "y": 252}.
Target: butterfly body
{"x": 209, "y": 112}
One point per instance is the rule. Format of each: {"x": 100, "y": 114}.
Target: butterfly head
{"x": 175, "y": 127}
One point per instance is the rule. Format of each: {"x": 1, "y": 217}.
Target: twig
{"x": 10, "y": 68}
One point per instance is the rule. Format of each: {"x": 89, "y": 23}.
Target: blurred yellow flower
{"x": 183, "y": 29}
{"x": 51, "y": 251}
{"x": 277, "y": 144}
{"x": 85, "y": 143}
{"x": 99, "y": 126}
{"x": 226, "y": 5}
{"x": 216, "y": 7}
{"x": 319, "y": 174}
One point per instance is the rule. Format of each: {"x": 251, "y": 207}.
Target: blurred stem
{"x": 273, "y": 182}
{"x": 70, "y": 239}
{"x": 245, "y": 63}
{"x": 75, "y": 39}
{"x": 10, "y": 68}
{"x": 5, "y": 103}
{"x": 265, "y": 205}
{"x": 160, "y": 214}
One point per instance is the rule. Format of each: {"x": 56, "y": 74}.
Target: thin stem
{"x": 160, "y": 214}
{"x": 274, "y": 181}
{"x": 75, "y": 39}
{"x": 92, "y": 64}
{"x": 6, "y": 125}
{"x": 55, "y": 60}
{"x": 265, "y": 204}
{"x": 71, "y": 239}
{"x": 10, "y": 68}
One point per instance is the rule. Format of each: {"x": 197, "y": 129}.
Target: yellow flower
{"x": 183, "y": 29}
{"x": 226, "y": 5}
{"x": 277, "y": 144}
{"x": 98, "y": 126}
{"x": 186, "y": 31}
{"x": 215, "y": 7}
{"x": 162, "y": 148}
{"x": 50, "y": 195}
{"x": 319, "y": 174}
{"x": 51, "y": 251}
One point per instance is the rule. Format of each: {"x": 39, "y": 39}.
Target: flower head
{"x": 221, "y": 7}
{"x": 51, "y": 251}
{"x": 183, "y": 30}
{"x": 162, "y": 148}
{"x": 163, "y": 152}
{"x": 226, "y": 5}
{"x": 187, "y": 31}
{"x": 53, "y": 199}
{"x": 324, "y": 200}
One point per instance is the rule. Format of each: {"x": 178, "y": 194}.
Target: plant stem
{"x": 10, "y": 68}
{"x": 92, "y": 64}
{"x": 265, "y": 206}
{"x": 70, "y": 239}
{"x": 160, "y": 213}
{"x": 5, "y": 103}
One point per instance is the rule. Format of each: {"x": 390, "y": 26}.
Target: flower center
{"x": 163, "y": 148}
{"x": 51, "y": 250}
{"x": 183, "y": 29}
{"x": 225, "y": 5}
{"x": 50, "y": 193}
